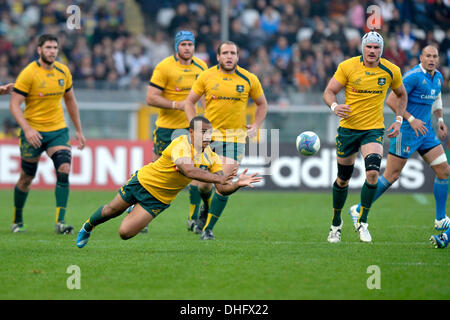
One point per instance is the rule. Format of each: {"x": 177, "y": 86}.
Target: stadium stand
{"x": 293, "y": 46}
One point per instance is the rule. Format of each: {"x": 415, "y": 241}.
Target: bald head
{"x": 429, "y": 48}
{"x": 429, "y": 58}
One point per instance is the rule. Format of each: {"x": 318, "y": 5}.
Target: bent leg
{"x": 111, "y": 210}
{"x": 438, "y": 161}
{"x": 133, "y": 223}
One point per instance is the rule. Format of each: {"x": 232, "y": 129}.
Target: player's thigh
{"x": 347, "y": 161}
{"x": 348, "y": 142}
{"x": 116, "y": 207}
{"x": 56, "y": 140}
{"x": 27, "y": 151}
{"x": 371, "y": 147}
{"x": 134, "y": 222}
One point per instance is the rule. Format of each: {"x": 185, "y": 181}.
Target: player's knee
{"x": 344, "y": 174}
{"x": 61, "y": 160}
{"x": 342, "y": 183}
{"x": 125, "y": 233}
{"x": 204, "y": 187}
{"x": 372, "y": 162}
{"x": 29, "y": 169}
{"x": 443, "y": 173}
{"x": 62, "y": 178}
{"x": 372, "y": 176}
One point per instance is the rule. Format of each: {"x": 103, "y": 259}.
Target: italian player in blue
{"x": 423, "y": 84}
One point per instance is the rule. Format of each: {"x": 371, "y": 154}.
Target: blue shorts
{"x": 406, "y": 143}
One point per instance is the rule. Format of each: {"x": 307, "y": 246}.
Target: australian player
{"x": 366, "y": 80}
{"x": 152, "y": 188}
{"x": 227, "y": 89}
{"x": 423, "y": 84}
{"x": 169, "y": 86}
{"x": 42, "y": 85}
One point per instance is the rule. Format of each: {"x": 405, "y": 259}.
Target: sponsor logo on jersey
{"x": 367, "y": 91}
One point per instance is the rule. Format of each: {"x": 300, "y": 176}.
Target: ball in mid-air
{"x": 308, "y": 143}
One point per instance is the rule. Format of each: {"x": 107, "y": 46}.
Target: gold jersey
{"x": 43, "y": 90}
{"x": 162, "y": 178}
{"x": 365, "y": 91}
{"x": 175, "y": 80}
{"x": 227, "y": 97}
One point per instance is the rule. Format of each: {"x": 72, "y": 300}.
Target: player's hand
{"x": 81, "y": 140}
{"x": 394, "y": 129}
{"x": 179, "y": 105}
{"x": 245, "y": 180}
{"x": 442, "y": 130}
{"x": 33, "y": 137}
{"x": 252, "y": 130}
{"x": 342, "y": 110}
{"x": 7, "y": 88}
{"x": 228, "y": 178}
{"x": 419, "y": 127}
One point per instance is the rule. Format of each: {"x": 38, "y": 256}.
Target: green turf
{"x": 268, "y": 246}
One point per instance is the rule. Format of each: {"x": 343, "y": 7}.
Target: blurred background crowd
{"x": 291, "y": 45}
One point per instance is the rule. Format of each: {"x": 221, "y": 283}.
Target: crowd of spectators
{"x": 289, "y": 44}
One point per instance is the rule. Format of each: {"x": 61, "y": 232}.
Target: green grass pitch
{"x": 269, "y": 246}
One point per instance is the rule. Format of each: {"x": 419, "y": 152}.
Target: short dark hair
{"x": 46, "y": 37}
{"x": 219, "y": 47}
{"x": 198, "y": 118}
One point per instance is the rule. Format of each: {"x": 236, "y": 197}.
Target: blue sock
{"x": 383, "y": 185}
{"x": 440, "y": 191}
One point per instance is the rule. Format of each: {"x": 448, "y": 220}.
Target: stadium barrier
{"x": 107, "y": 164}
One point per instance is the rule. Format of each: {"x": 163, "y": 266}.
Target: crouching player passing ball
{"x": 152, "y": 188}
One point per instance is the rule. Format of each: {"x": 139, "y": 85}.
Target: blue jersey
{"x": 422, "y": 89}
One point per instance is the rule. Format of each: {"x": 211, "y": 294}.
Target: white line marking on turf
{"x": 419, "y": 263}
{"x": 421, "y": 199}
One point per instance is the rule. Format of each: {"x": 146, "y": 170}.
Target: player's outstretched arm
{"x": 244, "y": 180}
{"x": 74, "y": 113}
{"x": 186, "y": 167}
{"x": 7, "y": 88}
